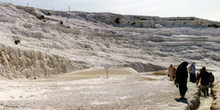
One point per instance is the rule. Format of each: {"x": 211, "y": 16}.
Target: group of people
{"x": 180, "y": 76}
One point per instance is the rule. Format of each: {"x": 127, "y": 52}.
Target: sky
{"x": 205, "y": 9}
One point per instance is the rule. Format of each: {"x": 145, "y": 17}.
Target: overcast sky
{"x": 206, "y": 9}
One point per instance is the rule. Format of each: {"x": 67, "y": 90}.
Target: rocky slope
{"x": 55, "y": 42}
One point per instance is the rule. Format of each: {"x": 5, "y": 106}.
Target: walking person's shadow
{"x": 183, "y": 100}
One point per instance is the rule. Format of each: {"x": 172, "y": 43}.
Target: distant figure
{"x": 192, "y": 72}
{"x": 181, "y": 78}
{"x": 171, "y": 72}
{"x": 174, "y": 76}
{"x": 205, "y": 79}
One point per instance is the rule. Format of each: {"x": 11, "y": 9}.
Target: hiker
{"x": 204, "y": 83}
{"x": 171, "y": 72}
{"x": 192, "y": 72}
{"x": 181, "y": 78}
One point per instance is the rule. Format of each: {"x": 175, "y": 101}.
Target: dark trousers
{"x": 183, "y": 88}
{"x": 192, "y": 77}
{"x": 205, "y": 92}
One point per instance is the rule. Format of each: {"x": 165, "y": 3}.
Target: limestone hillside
{"x": 36, "y": 43}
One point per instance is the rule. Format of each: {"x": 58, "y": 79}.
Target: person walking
{"x": 181, "y": 78}
{"x": 171, "y": 72}
{"x": 192, "y": 72}
{"x": 205, "y": 79}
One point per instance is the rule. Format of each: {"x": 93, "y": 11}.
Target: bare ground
{"x": 216, "y": 92}
{"x": 92, "y": 90}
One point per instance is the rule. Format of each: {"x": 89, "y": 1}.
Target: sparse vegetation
{"x": 143, "y": 19}
{"x": 48, "y": 14}
{"x": 182, "y": 19}
{"x": 41, "y": 17}
{"x": 201, "y": 23}
{"x": 152, "y": 26}
{"x": 133, "y": 23}
{"x": 213, "y": 25}
{"x": 141, "y": 25}
{"x": 117, "y": 20}
{"x": 61, "y": 22}
{"x": 136, "y": 17}
{"x": 191, "y": 19}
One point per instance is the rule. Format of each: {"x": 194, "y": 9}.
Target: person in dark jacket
{"x": 181, "y": 78}
{"x": 205, "y": 79}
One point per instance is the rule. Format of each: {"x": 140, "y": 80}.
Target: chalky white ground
{"x": 90, "y": 89}
{"x": 57, "y": 49}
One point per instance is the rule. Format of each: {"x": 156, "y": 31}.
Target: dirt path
{"x": 205, "y": 103}
{"x": 125, "y": 90}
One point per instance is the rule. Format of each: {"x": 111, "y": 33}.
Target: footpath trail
{"x": 216, "y": 95}
{"x": 212, "y": 102}
{"x": 91, "y": 90}
{"x": 205, "y": 103}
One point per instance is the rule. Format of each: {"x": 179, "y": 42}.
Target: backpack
{"x": 211, "y": 78}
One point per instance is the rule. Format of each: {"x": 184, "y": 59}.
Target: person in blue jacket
{"x": 192, "y": 72}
